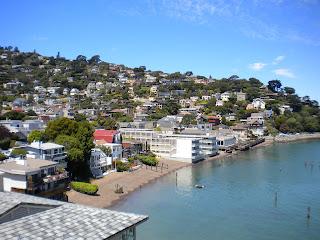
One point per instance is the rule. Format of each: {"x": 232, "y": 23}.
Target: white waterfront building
{"x": 99, "y": 163}
{"x": 180, "y": 147}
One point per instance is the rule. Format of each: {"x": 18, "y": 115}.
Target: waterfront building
{"x": 100, "y": 163}
{"x": 34, "y": 176}
{"x": 25, "y": 217}
{"x": 256, "y": 124}
{"x": 226, "y": 142}
{"x": 181, "y": 147}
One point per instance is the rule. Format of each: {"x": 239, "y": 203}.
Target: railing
{"x": 56, "y": 177}
{"x": 53, "y": 156}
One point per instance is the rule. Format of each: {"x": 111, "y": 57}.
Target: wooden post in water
{"x": 309, "y": 212}
{"x": 176, "y": 178}
{"x": 276, "y": 199}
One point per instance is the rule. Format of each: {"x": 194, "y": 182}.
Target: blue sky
{"x": 267, "y": 39}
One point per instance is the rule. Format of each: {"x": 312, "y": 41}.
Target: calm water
{"x": 239, "y": 199}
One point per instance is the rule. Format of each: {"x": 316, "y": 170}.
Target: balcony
{"x": 55, "y": 177}
{"x": 54, "y": 157}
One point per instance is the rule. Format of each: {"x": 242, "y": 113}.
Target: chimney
{"x": 22, "y": 160}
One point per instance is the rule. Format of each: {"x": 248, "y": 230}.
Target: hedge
{"x": 122, "y": 166}
{"x": 86, "y": 188}
{"x": 149, "y": 160}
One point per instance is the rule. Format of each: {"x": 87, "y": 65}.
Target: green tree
{"x": 77, "y": 137}
{"x": 274, "y": 85}
{"x": 110, "y": 124}
{"x": 61, "y": 126}
{"x": 76, "y": 163}
{"x": 69, "y": 142}
{"x": 36, "y": 135}
{"x": 289, "y": 90}
{"x": 19, "y": 151}
{"x": 14, "y": 115}
{"x": 94, "y": 59}
{"x": 189, "y": 119}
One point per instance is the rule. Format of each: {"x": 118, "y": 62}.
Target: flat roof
{"x": 30, "y": 166}
{"x": 45, "y": 146}
{"x": 63, "y": 221}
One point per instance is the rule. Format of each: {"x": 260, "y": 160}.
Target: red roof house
{"x": 110, "y": 136}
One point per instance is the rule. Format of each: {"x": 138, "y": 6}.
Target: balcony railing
{"x": 53, "y": 156}
{"x": 55, "y": 177}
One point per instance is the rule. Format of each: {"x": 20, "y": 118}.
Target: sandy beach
{"x": 132, "y": 181}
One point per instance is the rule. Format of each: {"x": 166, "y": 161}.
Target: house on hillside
{"x": 225, "y": 96}
{"x": 219, "y": 103}
{"x": 284, "y": 108}
{"x": 241, "y": 96}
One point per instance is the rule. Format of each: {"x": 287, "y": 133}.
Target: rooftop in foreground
{"x": 29, "y": 217}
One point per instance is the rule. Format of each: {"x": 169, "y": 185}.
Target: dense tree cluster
{"x": 76, "y": 137}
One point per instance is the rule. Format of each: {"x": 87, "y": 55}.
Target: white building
{"x": 258, "y": 103}
{"x": 180, "y": 147}
{"x": 225, "y": 96}
{"x": 284, "y": 108}
{"x": 74, "y": 92}
{"x": 47, "y": 151}
{"x": 150, "y": 79}
{"x": 33, "y": 176}
{"x": 219, "y": 103}
{"x": 99, "y": 163}
{"x": 206, "y": 97}
{"x": 154, "y": 90}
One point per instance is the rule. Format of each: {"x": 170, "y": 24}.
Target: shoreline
{"x": 133, "y": 181}
{"x": 130, "y": 181}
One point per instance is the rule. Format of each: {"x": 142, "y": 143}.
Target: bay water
{"x": 265, "y": 193}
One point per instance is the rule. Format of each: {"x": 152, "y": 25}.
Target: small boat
{"x": 199, "y": 186}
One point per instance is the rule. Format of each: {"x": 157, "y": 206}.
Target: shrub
{"x": 86, "y": 188}
{"x": 149, "y": 160}
{"x": 5, "y": 143}
{"x": 2, "y": 157}
{"x": 122, "y": 166}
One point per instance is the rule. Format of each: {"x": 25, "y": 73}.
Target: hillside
{"x": 30, "y": 81}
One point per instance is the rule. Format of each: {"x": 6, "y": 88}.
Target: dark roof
{"x": 60, "y": 220}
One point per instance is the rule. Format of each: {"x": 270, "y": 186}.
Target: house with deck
{"x": 34, "y": 176}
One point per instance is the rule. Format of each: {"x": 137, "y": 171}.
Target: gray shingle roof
{"x": 67, "y": 221}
